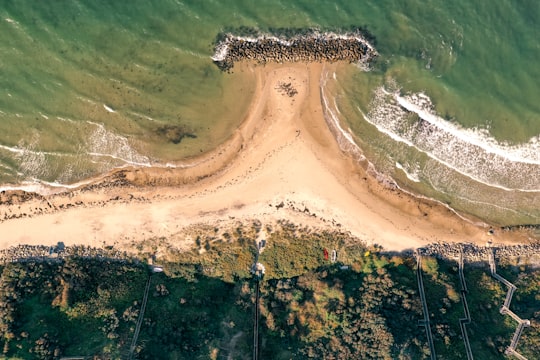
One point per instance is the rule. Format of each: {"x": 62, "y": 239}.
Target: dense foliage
{"x": 364, "y": 306}
{"x": 342, "y": 314}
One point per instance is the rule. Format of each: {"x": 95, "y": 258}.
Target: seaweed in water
{"x": 174, "y": 133}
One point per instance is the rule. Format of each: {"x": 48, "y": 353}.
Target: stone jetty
{"x": 24, "y": 253}
{"x": 311, "y": 46}
{"x": 478, "y": 253}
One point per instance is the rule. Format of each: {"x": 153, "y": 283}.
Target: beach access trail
{"x": 282, "y": 163}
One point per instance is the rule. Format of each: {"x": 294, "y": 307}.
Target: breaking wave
{"x": 104, "y": 143}
{"x": 51, "y": 171}
{"x": 345, "y": 139}
{"x": 411, "y": 119}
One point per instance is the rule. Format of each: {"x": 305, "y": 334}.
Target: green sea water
{"x": 86, "y": 86}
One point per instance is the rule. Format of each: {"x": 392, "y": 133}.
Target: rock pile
{"x": 309, "y": 47}
{"x": 23, "y": 253}
{"x": 477, "y": 253}
{"x": 287, "y": 89}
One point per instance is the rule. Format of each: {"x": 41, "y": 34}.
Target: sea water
{"x": 449, "y": 110}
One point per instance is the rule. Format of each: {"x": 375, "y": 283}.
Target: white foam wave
{"x": 33, "y": 187}
{"x": 345, "y": 138}
{"x": 422, "y": 106}
{"x": 15, "y": 150}
{"x": 9, "y": 169}
{"x": 109, "y": 109}
{"x": 66, "y": 119}
{"x": 44, "y": 187}
{"x": 115, "y": 157}
{"x": 139, "y": 115}
{"x": 105, "y": 149}
{"x": 22, "y": 149}
{"x": 347, "y": 143}
{"x": 411, "y": 176}
{"x": 85, "y": 99}
{"x": 13, "y": 22}
{"x": 105, "y": 143}
{"x": 32, "y": 162}
{"x": 471, "y": 152}
{"x": 141, "y": 66}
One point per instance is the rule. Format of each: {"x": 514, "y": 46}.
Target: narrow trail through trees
{"x": 505, "y": 308}
{"x": 424, "y": 322}
{"x": 141, "y": 317}
{"x": 467, "y": 319}
{"x": 256, "y": 324}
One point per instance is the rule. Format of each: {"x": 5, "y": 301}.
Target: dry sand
{"x": 282, "y": 163}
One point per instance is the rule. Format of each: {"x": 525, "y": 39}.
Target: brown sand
{"x": 283, "y": 163}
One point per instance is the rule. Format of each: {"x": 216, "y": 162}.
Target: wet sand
{"x": 282, "y": 163}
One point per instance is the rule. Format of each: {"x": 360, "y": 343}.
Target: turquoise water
{"x": 86, "y": 86}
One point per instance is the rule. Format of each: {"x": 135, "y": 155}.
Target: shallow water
{"x": 449, "y": 109}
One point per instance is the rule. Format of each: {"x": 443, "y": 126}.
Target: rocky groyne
{"x": 23, "y": 253}
{"x": 478, "y": 253}
{"x": 310, "y": 46}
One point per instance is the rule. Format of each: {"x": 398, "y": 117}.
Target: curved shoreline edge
{"x": 348, "y": 145}
{"x": 241, "y": 180}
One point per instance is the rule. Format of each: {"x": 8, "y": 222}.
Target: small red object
{"x": 325, "y": 254}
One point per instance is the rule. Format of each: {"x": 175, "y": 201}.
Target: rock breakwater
{"x": 475, "y": 252}
{"x": 308, "y": 46}
{"x": 24, "y": 253}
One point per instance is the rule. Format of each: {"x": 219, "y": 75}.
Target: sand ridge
{"x": 282, "y": 163}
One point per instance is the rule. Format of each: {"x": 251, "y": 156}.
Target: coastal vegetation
{"x": 364, "y": 305}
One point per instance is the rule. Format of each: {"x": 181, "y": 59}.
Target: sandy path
{"x": 283, "y": 154}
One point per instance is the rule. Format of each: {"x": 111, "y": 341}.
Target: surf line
{"x": 409, "y": 143}
{"x": 109, "y": 109}
{"x": 348, "y": 145}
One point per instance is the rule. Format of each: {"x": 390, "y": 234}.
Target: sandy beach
{"x": 282, "y": 163}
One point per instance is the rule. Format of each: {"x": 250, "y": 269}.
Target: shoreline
{"x": 349, "y": 146}
{"x": 284, "y": 152}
